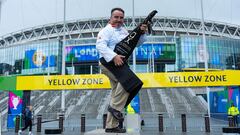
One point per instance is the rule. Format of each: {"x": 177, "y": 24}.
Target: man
{"x": 107, "y": 38}
{"x": 234, "y": 112}
{"x": 28, "y": 120}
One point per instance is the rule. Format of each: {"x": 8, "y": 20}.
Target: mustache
{"x": 118, "y": 22}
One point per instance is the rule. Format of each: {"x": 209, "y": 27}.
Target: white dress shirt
{"x": 108, "y": 37}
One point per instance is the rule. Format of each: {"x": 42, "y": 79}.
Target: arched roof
{"x": 78, "y": 29}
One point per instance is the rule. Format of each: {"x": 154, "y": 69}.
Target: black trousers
{"x": 235, "y": 120}
{"x": 28, "y": 123}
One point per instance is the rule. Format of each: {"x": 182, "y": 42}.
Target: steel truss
{"x": 162, "y": 26}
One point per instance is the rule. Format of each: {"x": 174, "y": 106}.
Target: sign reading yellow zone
{"x": 60, "y": 82}
{"x": 150, "y": 80}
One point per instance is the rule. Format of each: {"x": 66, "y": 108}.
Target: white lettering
{"x": 89, "y": 51}
{"x": 144, "y": 51}
{"x": 76, "y": 54}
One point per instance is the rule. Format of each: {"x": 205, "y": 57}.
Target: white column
{"x": 134, "y": 51}
{"x": 63, "y": 55}
{"x": 153, "y": 67}
{"x": 48, "y": 59}
{"x": 205, "y": 55}
{"x": 234, "y": 61}
{"x": 91, "y": 69}
{"x": 133, "y": 120}
{"x": 73, "y": 68}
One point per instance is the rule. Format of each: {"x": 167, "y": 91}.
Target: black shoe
{"x": 115, "y": 130}
{"x": 116, "y": 114}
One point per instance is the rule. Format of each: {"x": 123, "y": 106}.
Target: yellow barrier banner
{"x": 150, "y": 80}
{"x": 59, "y": 82}
{"x": 191, "y": 79}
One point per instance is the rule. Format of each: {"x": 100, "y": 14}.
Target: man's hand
{"x": 144, "y": 28}
{"x": 118, "y": 60}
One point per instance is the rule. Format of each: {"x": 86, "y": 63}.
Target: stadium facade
{"x": 175, "y": 45}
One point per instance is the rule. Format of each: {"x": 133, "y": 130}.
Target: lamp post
{"x": 48, "y": 66}
{"x": 134, "y": 51}
{"x": 63, "y": 54}
{"x": 205, "y": 55}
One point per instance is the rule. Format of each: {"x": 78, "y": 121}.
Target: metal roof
{"x": 78, "y": 29}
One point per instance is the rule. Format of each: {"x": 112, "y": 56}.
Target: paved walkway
{"x": 143, "y": 132}
{"x": 171, "y": 127}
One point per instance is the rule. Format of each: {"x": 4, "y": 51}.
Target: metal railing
{"x": 153, "y": 123}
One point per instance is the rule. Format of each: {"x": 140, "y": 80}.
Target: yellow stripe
{"x": 59, "y": 82}
{"x": 150, "y": 80}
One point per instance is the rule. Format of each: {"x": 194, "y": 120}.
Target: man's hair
{"x": 119, "y": 9}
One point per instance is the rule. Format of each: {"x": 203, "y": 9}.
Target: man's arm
{"x": 101, "y": 45}
{"x": 143, "y": 37}
{"x": 237, "y": 111}
{"x": 229, "y": 111}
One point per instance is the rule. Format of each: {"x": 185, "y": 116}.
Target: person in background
{"x": 28, "y": 120}
{"x": 234, "y": 112}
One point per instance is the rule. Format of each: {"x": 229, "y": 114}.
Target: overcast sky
{"x": 20, "y": 14}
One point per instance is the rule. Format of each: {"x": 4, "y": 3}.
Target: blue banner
{"x": 37, "y": 59}
{"x": 81, "y": 53}
{"x": 88, "y": 53}
{"x": 146, "y": 51}
{"x": 14, "y": 108}
{"x": 134, "y": 106}
{"x": 220, "y": 101}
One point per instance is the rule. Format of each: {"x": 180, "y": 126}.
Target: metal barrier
{"x": 17, "y": 124}
{"x": 83, "y": 129}
{"x": 154, "y": 122}
{"x": 39, "y": 123}
{"x": 104, "y": 120}
{"x": 195, "y": 122}
{"x": 207, "y": 123}
{"x": 160, "y": 120}
{"x": 184, "y": 123}
{"x": 60, "y": 125}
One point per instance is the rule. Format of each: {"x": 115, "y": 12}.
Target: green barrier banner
{"x": 8, "y": 83}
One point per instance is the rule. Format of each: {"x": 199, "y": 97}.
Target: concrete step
{"x": 102, "y": 132}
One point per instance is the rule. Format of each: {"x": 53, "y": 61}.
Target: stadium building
{"x": 175, "y": 45}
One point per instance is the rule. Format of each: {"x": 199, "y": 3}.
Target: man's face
{"x": 117, "y": 18}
